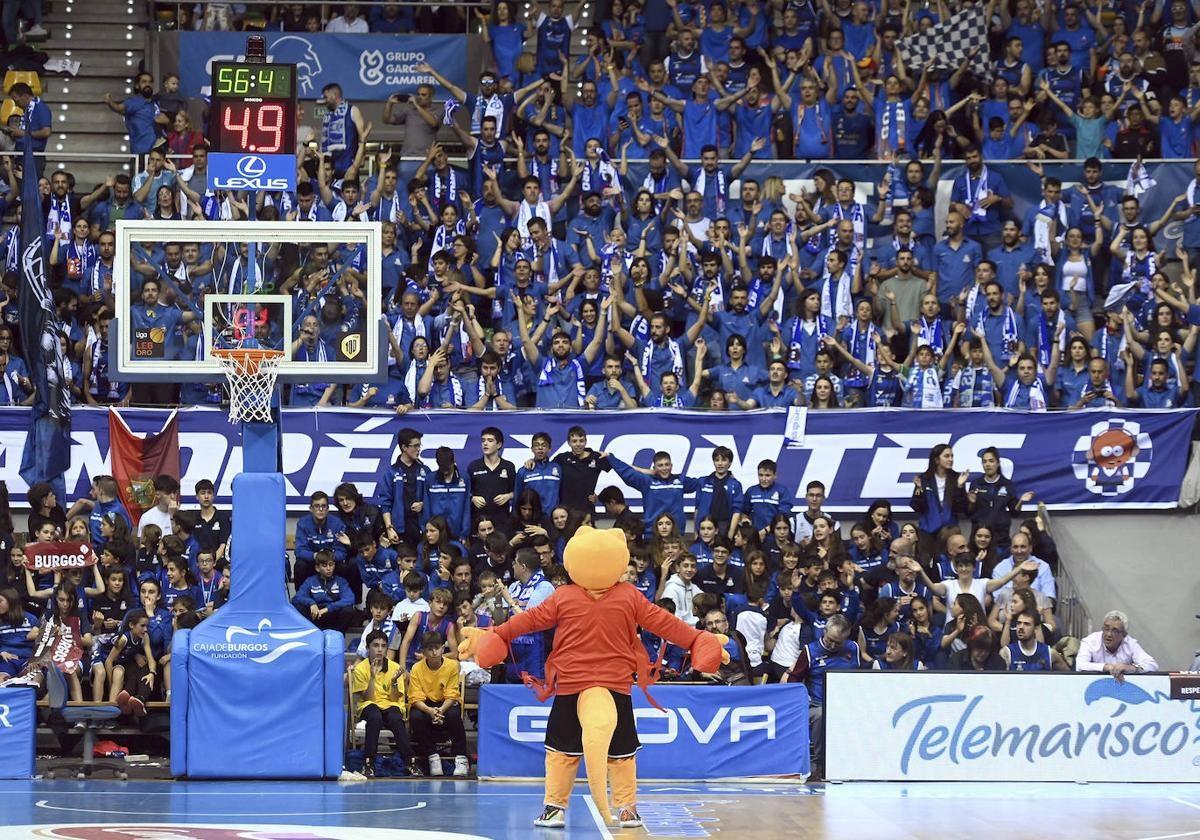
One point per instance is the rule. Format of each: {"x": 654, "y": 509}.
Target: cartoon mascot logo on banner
{"x": 591, "y": 671}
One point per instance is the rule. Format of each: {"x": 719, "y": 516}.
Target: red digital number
{"x": 253, "y": 128}
{"x": 243, "y": 128}
{"x": 270, "y": 121}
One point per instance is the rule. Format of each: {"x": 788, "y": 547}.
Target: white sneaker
{"x": 435, "y": 765}
{"x": 462, "y": 765}
{"x": 35, "y": 31}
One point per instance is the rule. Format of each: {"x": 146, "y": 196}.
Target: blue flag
{"x": 48, "y": 445}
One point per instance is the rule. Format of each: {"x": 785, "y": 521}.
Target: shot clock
{"x": 253, "y": 108}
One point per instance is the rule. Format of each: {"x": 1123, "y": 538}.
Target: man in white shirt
{"x": 348, "y": 21}
{"x": 1111, "y": 650}
{"x": 1022, "y": 551}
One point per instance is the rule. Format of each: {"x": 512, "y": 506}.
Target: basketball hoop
{"x": 251, "y": 373}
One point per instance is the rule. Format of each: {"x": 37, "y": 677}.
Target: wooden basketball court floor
{"x": 445, "y": 810}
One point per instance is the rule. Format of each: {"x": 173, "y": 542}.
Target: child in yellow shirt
{"x": 377, "y": 685}
{"x": 434, "y": 701}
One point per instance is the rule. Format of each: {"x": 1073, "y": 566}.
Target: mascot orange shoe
{"x": 591, "y": 671}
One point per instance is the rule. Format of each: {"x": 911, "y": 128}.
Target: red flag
{"x": 138, "y": 459}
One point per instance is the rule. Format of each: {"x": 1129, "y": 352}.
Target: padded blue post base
{"x": 258, "y": 673}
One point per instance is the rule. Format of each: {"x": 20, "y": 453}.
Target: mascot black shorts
{"x": 564, "y": 733}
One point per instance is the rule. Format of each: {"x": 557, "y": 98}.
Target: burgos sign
{"x": 262, "y": 645}
{"x": 228, "y": 171}
{"x": 1082, "y": 727}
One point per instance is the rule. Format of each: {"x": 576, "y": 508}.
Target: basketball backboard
{"x": 314, "y": 291}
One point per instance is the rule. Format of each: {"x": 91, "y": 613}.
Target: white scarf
{"x": 676, "y": 359}
{"x": 1138, "y": 180}
{"x": 416, "y": 369}
{"x": 924, "y": 388}
{"x": 716, "y": 303}
{"x": 856, "y": 378}
{"x": 769, "y": 238}
{"x": 977, "y": 195}
{"x": 1010, "y": 336}
{"x": 443, "y": 239}
{"x": 1132, "y": 278}
{"x": 605, "y": 174}
{"x": 656, "y": 186}
{"x": 548, "y": 368}
{"x": 842, "y": 306}
{"x": 481, "y": 393}
{"x": 549, "y": 272}
{"x": 447, "y": 188}
{"x": 455, "y": 388}
{"x": 1037, "y": 395}
{"x": 858, "y": 219}
{"x": 892, "y": 122}
{"x": 59, "y": 217}
{"x": 1041, "y": 229}
{"x": 702, "y": 187}
{"x": 1046, "y": 339}
{"x": 535, "y": 169}
{"x": 487, "y": 107}
{"x": 526, "y": 213}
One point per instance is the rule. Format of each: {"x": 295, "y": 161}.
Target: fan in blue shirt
{"x": 1156, "y": 391}
{"x": 662, "y": 491}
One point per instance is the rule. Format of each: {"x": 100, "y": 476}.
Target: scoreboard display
{"x": 253, "y": 108}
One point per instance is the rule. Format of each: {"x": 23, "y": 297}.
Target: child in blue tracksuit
{"x": 325, "y": 598}
{"x": 449, "y": 493}
{"x": 766, "y": 499}
{"x": 720, "y": 495}
{"x": 540, "y": 474}
{"x": 662, "y": 491}
{"x": 373, "y": 563}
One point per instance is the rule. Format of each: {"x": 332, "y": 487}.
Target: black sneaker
{"x": 552, "y": 817}
{"x": 414, "y": 769}
{"x": 369, "y": 769}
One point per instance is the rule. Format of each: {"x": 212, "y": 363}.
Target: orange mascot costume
{"x": 591, "y": 671}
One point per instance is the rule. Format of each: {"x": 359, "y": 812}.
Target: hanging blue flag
{"x": 48, "y": 446}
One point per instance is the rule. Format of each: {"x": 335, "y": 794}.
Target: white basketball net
{"x": 251, "y": 378}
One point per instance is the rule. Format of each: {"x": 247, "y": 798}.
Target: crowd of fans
{"x": 439, "y": 550}
{"x": 549, "y": 271}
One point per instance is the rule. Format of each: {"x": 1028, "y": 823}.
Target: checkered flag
{"x": 949, "y": 43}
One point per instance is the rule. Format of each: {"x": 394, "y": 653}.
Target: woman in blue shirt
{"x": 505, "y": 36}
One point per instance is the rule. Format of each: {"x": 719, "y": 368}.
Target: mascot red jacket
{"x": 597, "y": 657}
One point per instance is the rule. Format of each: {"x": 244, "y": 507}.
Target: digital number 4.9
{"x": 259, "y": 129}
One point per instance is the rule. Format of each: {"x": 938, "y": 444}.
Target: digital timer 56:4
{"x": 253, "y": 81}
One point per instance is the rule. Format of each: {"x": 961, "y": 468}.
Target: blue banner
{"x": 1069, "y": 459}
{"x": 702, "y": 732}
{"x": 231, "y": 171}
{"x": 366, "y": 66}
{"x": 18, "y": 732}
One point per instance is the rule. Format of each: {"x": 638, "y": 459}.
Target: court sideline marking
{"x": 1185, "y": 802}
{"x": 601, "y": 823}
{"x": 45, "y": 804}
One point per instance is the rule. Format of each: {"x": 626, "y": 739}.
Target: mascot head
{"x": 1113, "y": 448}
{"x": 596, "y": 560}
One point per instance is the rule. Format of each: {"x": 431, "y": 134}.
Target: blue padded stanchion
{"x": 259, "y": 676}
{"x": 179, "y": 701}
